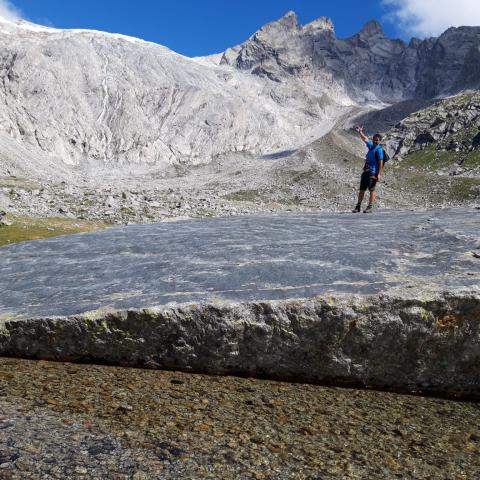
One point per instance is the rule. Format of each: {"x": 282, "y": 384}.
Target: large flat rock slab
{"x": 390, "y": 300}
{"x": 240, "y": 259}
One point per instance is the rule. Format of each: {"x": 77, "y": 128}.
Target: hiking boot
{"x": 369, "y": 209}
{"x": 356, "y": 209}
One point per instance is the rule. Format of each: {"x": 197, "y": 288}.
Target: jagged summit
{"x": 284, "y": 26}
{"x": 321, "y": 24}
{"x": 290, "y": 24}
{"x": 371, "y": 29}
{"x": 289, "y": 20}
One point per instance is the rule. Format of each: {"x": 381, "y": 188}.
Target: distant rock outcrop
{"x": 452, "y": 124}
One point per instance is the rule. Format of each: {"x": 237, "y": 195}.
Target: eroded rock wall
{"x": 406, "y": 342}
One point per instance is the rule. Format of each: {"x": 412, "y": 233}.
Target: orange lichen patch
{"x": 450, "y": 320}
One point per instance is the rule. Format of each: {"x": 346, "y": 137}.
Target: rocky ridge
{"x": 368, "y": 66}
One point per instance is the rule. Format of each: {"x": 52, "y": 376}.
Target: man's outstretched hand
{"x": 360, "y": 131}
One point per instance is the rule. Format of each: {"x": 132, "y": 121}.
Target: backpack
{"x": 386, "y": 156}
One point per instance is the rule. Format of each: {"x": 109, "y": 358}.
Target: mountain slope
{"x": 92, "y": 98}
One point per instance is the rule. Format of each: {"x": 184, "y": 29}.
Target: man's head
{"x": 377, "y": 138}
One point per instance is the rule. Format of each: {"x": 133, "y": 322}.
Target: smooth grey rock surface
{"x": 240, "y": 259}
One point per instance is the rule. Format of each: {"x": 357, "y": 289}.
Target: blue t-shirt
{"x": 374, "y": 155}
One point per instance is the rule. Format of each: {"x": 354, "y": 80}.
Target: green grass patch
{"x": 18, "y": 182}
{"x": 463, "y": 188}
{"x": 202, "y": 213}
{"x": 294, "y": 201}
{"x": 301, "y": 176}
{"x": 472, "y": 160}
{"x": 305, "y": 176}
{"x": 430, "y": 159}
{"x": 128, "y": 210}
{"x": 442, "y": 188}
{"x": 467, "y": 133}
{"x": 27, "y": 228}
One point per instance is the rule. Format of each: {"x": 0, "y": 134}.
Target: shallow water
{"x": 82, "y": 421}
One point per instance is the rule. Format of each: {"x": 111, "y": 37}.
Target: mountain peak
{"x": 288, "y": 22}
{"x": 371, "y": 29}
{"x": 321, "y": 24}
{"x": 8, "y": 19}
{"x": 289, "y": 19}
{"x": 12, "y": 25}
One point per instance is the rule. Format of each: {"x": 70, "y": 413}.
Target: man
{"x": 372, "y": 170}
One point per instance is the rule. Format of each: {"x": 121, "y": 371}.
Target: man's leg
{"x": 361, "y": 195}
{"x": 364, "y": 184}
{"x": 358, "y": 206}
{"x": 373, "y": 196}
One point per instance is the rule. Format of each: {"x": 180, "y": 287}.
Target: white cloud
{"x": 425, "y": 18}
{"x": 9, "y": 11}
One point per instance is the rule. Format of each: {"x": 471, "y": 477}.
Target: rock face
{"x": 450, "y": 124}
{"x": 91, "y": 99}
{"x": 409, "y": 344}
{"x": 104, "y": 102}
{"x": 368, "y": 66}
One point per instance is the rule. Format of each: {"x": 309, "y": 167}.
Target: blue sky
{"x": 195, "y": 27}
{"x": 200, "y": 27}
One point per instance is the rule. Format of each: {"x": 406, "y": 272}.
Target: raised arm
{"x": 360, "y": 131}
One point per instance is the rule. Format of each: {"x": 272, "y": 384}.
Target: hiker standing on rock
{"x": 372, "y": 170}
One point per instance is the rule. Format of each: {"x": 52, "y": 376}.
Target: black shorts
{"x": 367, "y": 183}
